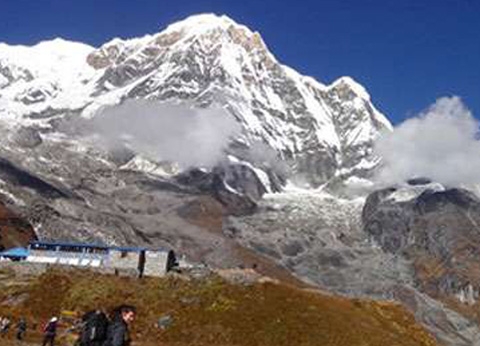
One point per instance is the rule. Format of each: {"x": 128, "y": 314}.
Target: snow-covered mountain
{"x": 69, "y": 188}
{"x": 321, "y": 131}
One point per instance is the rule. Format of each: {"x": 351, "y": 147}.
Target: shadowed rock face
{"x": 236, "y": 187}
{"x": 17, "y": 176}
{"x": 15, "y": 231}
{"x": 28, "y": 137}
{"x": 438, "y": 231}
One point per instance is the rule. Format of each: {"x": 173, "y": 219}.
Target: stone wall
{"x": 123, "y": 262}
{"x": 158, "y": 263}
{"x": 29, "y": 268}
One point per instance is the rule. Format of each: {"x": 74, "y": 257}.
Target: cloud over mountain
{"x": 441, "y": 143}
{"x": 168, "y": 132}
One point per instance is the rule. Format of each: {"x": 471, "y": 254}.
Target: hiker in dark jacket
{"x": 118, "y": 333}
{"x": 94, "y": 328}
{"x": 50, "y": 332}
{"x": 21, "y": 329}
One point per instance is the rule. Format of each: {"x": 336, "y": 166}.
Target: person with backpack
{"x": 94, "y": 328}
{"x": 5, "y": 326}
{"x": 21, "y": 329}
{"x": 118, "y": 332}
{"x": 50, "y": 332}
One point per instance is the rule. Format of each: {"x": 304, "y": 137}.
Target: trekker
{"x": 94, "y": 328}
{"x": 118, "y": 333}
{"x": 4, "y": 326}
{"x": 21, "y": 329}
{"x": 50, "y": 332}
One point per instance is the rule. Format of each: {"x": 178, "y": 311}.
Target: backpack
{"x": 50, "y": 328}
{"x": 95, "y": 326}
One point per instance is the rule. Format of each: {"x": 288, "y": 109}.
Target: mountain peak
{"x": 207, "y": 31}
{"x": 211, "y": 25}
{"x": 350, "y": 90}
{"x": 204, "y": 21}
{"x": 349, "y": 83}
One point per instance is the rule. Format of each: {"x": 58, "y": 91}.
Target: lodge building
{"x": 137, "y": 261}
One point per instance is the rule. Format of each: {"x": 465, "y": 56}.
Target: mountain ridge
{"x": 204, "y": 59}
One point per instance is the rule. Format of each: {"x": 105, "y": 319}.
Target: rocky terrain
{"x": 436, "y": 229}
{"x": 14, "y": 230}
{"x": 370, "y": 248}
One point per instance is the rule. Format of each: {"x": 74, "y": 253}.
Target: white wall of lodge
{"x": 66, "y": 258}
{"x": 146, "y": 262}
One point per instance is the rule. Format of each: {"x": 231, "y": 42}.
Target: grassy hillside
{"x": 210, "y": 311}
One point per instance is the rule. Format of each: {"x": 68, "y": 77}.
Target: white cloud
{"x": 440, "y": 143}
{"x": 167, "y": 132}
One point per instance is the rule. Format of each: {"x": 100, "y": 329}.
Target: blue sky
{"x": 407, "y": 53}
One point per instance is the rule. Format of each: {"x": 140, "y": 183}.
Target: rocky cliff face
{"x": 437, "y": 230}
{"x": 15, "y": 231}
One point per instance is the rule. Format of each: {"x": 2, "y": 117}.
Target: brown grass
{"x": 213, "y": 312}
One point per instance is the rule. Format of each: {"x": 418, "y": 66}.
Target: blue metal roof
{"x": 128, "y": 249}
{"x": 95, "y": 246}
{"x": 18, "y": 252}
{"x": 49, "y": 243}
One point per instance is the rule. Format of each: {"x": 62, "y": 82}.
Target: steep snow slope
{"x": 322, "y": 131}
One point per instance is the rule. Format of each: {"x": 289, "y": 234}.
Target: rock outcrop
{"x": 437, "y": 230}
{"x": 15, "y": 231}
